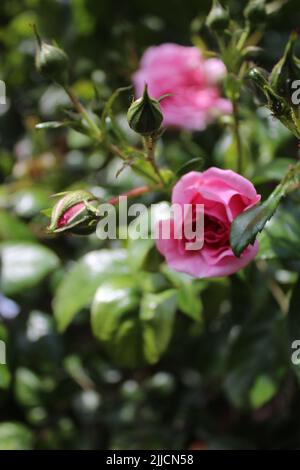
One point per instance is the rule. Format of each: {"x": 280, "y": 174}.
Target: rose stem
{"x": 150, "y": 148}
{"x": 236, "y": 128}
{"x": 111, "y": 147}
{"x": 133, "y": 193}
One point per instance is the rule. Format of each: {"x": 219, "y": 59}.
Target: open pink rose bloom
{"x": 191, "y": 81}
{"x": 223, "y": 195}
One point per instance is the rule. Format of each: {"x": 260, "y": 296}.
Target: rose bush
{"x": 107, "y": 342}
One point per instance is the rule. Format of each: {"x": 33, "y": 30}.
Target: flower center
{"x": 215, "y": 231}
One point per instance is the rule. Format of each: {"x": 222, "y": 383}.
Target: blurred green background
{"x": 226, "y": 381}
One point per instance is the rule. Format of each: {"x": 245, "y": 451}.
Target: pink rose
{"x": 224, "y": 194}
{"x": 192, "y": 81}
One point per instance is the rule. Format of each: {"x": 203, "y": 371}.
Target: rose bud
{"x": 255, "y": 12}
{"x": 52, "y": 62}
{"x": 144, "y": 115}
{"x": 75, "y": 212}
{"x": 218, "y": 17}
{"x": 286, "y": 70}
{"x": 277, "y": 104}
{"x": 259, "y": 77}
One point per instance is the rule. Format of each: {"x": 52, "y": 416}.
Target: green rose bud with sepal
{"x": 277, "y": 104}
{"x": 286, "y": 71}
{"x": 144, "y": 115}
{"x": 75, "y": 212}
{"x": 218, "y": 17}
{"x": 52, "y": 62}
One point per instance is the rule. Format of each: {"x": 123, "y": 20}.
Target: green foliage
{"x": 24, "y": 265}
{"x": 132, "y": 339}
{"x": 81, "y": 282}
{"x": 248, "y": 224}
{"x": 15, "y": 436}
{"x": 12, "y": 228}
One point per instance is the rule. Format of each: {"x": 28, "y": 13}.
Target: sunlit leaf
{"x": 24, "y": 265}
{"x": 79, "y": 285}
{"x": 15, "y": 436}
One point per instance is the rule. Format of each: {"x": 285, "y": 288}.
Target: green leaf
{"x": 272, "y": 171}
{"x": 15, "y": 436}
{"x": 195, "y": 164}
{"x": 144, "y": 168}
{"x": 189, "y": 301}
{"x": 138, "y": 251}
{"x": 50, "y": 125}
{"x": 232, "y": 87}
{"x": 115, "y": 322}
{"x": 24, "y": 265}
{"x": 74, "y": 367}
{"x": 157, "y": 317}
{"x": 30, "y": 201}
{"x": 107, "y": 111}
{"x": 125, "y": 350}
{"x": 132, "y": 339}
{"x": 47, "y": 212}
{"x": 225, "y": 149}
{"x": 112, "y": 300}
{"x": 255, "y": 352}
{"x": 11, "y": 228}
{"x": 140, "y": 236}
{"x": 79, "y": 285}
{"x": 248, "y": 224}
{"x": 263, "y": 389}
{"x": 281, "y": 237}
{"x": 5, "y": 376}
{"x": 27, "y": 387}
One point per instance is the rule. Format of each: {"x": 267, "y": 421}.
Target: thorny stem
{"x": 115, "y": 149}
{"x": 150, "y": 149}
{"x": 111, "y": 147}
{"x": 290, "y": 182}
{"x": 232, "y": 64}
{"x": 236, "y": 129}
{"x": 133, "y": 193}
{"x": 81, "y": 110}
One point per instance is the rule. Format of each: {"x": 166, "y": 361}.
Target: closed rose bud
{"x": 286, "y": 70}
{"x": 75, "y": 212}
{"x": 259, "y": 77}
{"x": 255, "y": 12}
{"x": 144, "y": 115}
{"x": 218, "y": 17}
{"x": 52, "y": 62}
{"x": 277, "y": 104}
